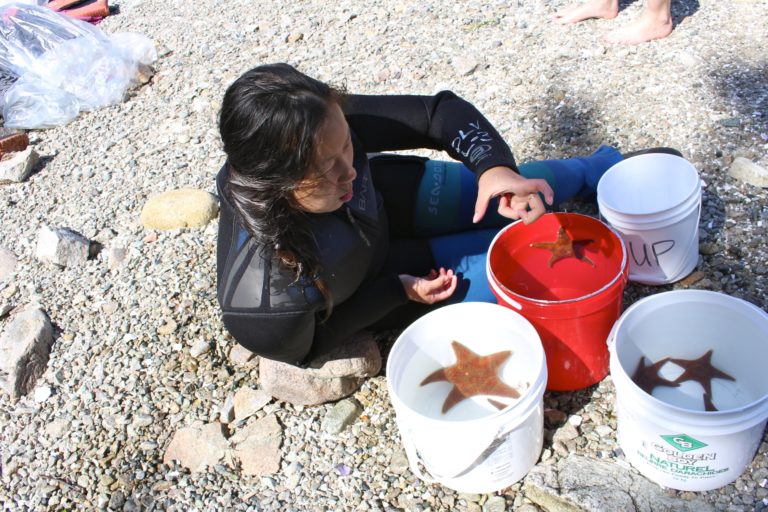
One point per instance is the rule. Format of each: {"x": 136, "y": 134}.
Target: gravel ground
{"x": 121, "y": 388}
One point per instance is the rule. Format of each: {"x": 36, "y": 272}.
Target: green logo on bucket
{"x": 683, "y": 442}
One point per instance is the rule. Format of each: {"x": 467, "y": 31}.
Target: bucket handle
{"x": 414, "y": 458}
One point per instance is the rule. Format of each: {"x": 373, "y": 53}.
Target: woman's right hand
{"x": 434, "y": 287}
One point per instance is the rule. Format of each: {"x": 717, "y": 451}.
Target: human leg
{"x": 655, "y": 22}
{"x": 573, "y": 177}
{"x": 606, "y": 9}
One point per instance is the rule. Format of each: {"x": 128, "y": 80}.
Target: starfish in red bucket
{"x": 702, "y": 371}
{"x": 647, "y": 377}
{"x": 563, "y": 247}
{"x": 473, "y": 375}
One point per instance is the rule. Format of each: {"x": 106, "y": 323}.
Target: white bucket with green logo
{"x": 668, "y": 435}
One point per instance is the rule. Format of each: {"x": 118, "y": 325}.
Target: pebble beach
{"x": 139, "y": 351}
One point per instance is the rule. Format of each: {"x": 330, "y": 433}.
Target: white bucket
{"x": 654, "y": 202}
{"x": 668, "y": 436}
{"x": 473, "y": 447}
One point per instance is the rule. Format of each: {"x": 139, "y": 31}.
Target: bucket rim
{"x": 763, "y": 400}
{"x": 617, "y": 167}
{"x": 545, "y": 302}
{"x": 651, "y": 220}
{"x": 528, "y": 399}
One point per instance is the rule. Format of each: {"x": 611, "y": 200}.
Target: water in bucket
{"x": 668, "y": 435}
{"x": 654, "y": 202}
{"x": 572, "y": 303}
{"x": 473, "y": 447}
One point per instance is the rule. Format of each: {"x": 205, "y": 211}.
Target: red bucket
{"x": 572, "y": 304}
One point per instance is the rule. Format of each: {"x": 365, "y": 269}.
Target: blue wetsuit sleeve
{"x": 442, "y": 122}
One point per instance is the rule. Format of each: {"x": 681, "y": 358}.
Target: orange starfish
{"x": 472, "y": 375}
{"x": 647, "y": 377}
{"x": 563, "y": 247}
{"x": 702, "y": 371}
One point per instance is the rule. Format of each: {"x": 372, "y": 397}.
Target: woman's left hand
{"x": 518, "y": 196}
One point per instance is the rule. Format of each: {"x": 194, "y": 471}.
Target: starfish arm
{"x": 436, "y": 376}
{"x": 701, "y": 371}
{"x": 462, "y": 352}
{"x": 585, "y": 259}
{"x": 497, "y": 404}
{"x": 502, "y": 389}
{"x": 453, "y": 398}
{"x": 708, "y": 404}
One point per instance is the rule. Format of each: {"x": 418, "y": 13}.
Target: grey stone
{"x": 257, "y": 447}
{"x": 565, "y": 433}
{"x": 330, "y": 377}
{"x": 227, "y": 409}
{"x": 240, "y": 355}
{"x": 116, "y": 257}
{"x": 117, "y": 500}
{"x": 464, "y": 66}
{"x": 579, "y": 483}
{"x": 62, "y": 246}
{"x": 495, "y": 504}
{"x": 17, "y": 166}
{"x": 398, "y": 463}
{"x": 142, "y": 420}
{"x": 746, "y": 170}
{"x": 199, "y": 348}
{"x": 730, "y": 122}
{"x": 25, "y": 346}
{"x": 341, "y": 416}
{"x": 248, "y": 401}
{"x": 8, "y": 263}
{"x": 197, "y": 446}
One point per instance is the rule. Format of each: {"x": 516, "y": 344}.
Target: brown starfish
{"x": 708, "y": 405}
{"x": 472, "y": 375}
{"x": 647, "y": 377}
{"x": 700, "y": 370}
{"x": 563, "y": 247}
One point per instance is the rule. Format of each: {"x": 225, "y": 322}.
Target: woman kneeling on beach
{"x": 319, "y": 239}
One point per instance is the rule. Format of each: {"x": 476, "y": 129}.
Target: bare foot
{"x": 645, "y": 28}
{"x": 591, "y": 9}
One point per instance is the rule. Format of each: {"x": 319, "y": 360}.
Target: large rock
{"x": 8, "y": 263}
{"x": 198, "y": 446}
{"x": 16, "y": 167}
{"x": 248, "y": 402}
{"x": 579, "y": 483}
{"x": 62, "y": 246}
{"x": 25, "y": 346}
{"x": 257, "y": 447}
{"x": 746, "y": 170}
{"x": 331, "y": 377}
{"x": 182, "y": 208}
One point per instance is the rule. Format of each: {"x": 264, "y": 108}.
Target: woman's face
{"x": 328, "y": 184}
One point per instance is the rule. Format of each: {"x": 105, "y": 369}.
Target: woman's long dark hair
{"x": 269, "y": 120}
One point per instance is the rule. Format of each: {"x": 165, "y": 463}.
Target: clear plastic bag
{"x": 34, "y": 104}
{"x": 52, "y": 52}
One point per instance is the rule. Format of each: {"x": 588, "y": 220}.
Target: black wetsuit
{"x": 365, "y": 244}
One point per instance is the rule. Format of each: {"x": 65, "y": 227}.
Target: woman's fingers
{"x": 434, "y": 287}
{"x": 535, "y": 209}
